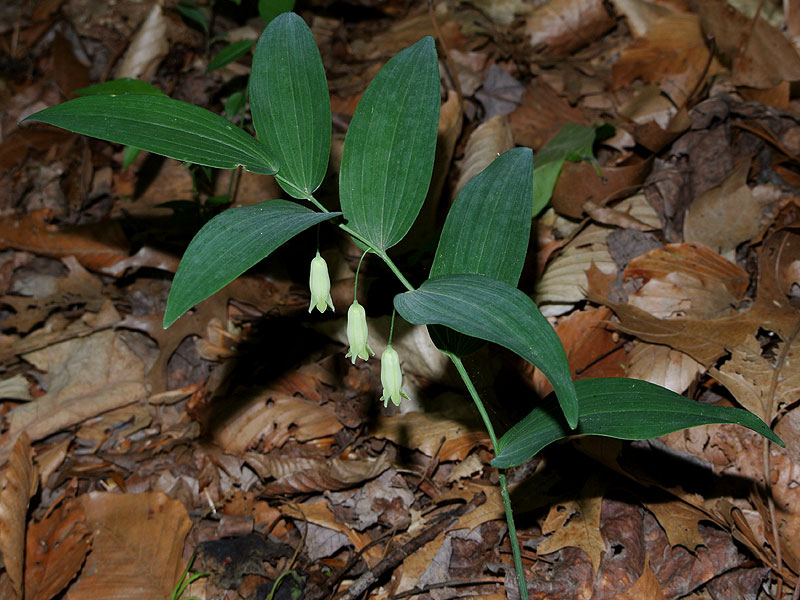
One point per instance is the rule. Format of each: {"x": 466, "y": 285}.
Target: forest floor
{"x": 242, "y": 441}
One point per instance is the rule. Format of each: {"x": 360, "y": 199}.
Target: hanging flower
{"x": 320, "y": 284}
{"x": 391, "y": 377}
{"x": 357, "y": 333}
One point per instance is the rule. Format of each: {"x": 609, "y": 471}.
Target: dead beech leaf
{"x": 318, "y": 513}
{"x": 662, "y": 365}
{"x": 580, "y": 183}
{"x": 591, "y": 347}
{"x": 78, "y": 287}
{"x": 489, "y": 140}
{"x": 302, "y": 475}
{"x": 695, "y": 260}
{"x": 541, "y": 114}
{"x": 641, "y": 15}
{"x": 17, "y": 485}
{"x": 55, "y": 550}
{"x": 730, "y": 213}
{"x": 576, "y": 523}
{"x": 136, "y": 549}
{"x": 673, "y": 55}
{"x": 679, "y": 521}
{"x": 424, "y": 431}
{"x": 564, "y": 279}
{"x": 95, "y": 246}
{"x": 273, "y": 418}
{"x": 86, "y": 376}
{"x": 762, "y": 57}
{"x": 706, "y": 340}
{"x": 147, "y": 48}
{"x": 562, "y": 26}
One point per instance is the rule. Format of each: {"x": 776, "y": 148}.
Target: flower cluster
{"x": 357, "y": 333}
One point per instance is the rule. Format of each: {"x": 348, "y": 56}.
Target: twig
{"x": 435, "y": 586}
{"x": 398, "y": 555}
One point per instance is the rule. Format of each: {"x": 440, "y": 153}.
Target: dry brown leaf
{"x": 78, "y": 287}
{"x": 417, "y": 563}
{"x": 576, "y": 523}
{"x": 17, "y": 485}
{"x": 762, "y": 57}
{"x": 641, "y": 15}
{"x": 318, "y": 513}
{"x": 730, "y": 213}
{"x": 662, "y": 365}
{"x": 272, "y": 417}
{"x": 645, "y": 588}
{"x": 136, "y": 549}
{"x": 86, "y": 376}
{"x": 487, "y": 142}
{"x": 55, "y": 550}
{"x": 564, "y": 281}
{"x": 706, "y": 340}
{"x": 541, "y": 114}
{"x": 147, "y": 47}
{"x": 592, "y": 349}
{"x": 673, "y": 55}
{"x": 579, "y": 184}
{"x": 562, "y": 26}
{"x": 302, "y": 475}
{"x": 759, "y": 384}
{"x": 95, "y": 246}
{"x": 680, "y": 521}
{"x": 424, "y": 431}
{"x": 691, "y": 259}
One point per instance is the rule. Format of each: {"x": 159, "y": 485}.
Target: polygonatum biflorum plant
{"x": 471, "y": 294}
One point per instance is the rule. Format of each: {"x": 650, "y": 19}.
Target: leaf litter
{"x": 243, "y": 433}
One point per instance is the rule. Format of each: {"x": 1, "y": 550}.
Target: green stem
{"x": 381, "y": 253}
{"x": 512, "y": 529}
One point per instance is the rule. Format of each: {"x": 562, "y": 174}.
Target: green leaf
{"x": 129, "y": 156}
{"x": 231, "y": 243}
{"x": 486, "y": 232}
{"x": 389, "y": 148}
{"x": 621, "y": 408}
{"x": 495, "y": 311}
{"x": 573, "y": 142}
{"x": 290, "y": 103}
{"x": 162, "y": 125}
{"x": 234, "y": 104}
{"x": 191, "y": 13}
{"x": 229, "y": 53}
{"x": 126, "y": 85}
{"x": 270, "y": 9}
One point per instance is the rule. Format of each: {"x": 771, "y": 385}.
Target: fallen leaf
{"x": 136, "y": 549}
{"x": 55, "y": 550}
{"x": 541, "y": 114}
{"x": 458, "y": 425}
{"x": 86, "y": 376}
{"x": 273, "y": 418}
{"x": 762, "y": 57}
{"x": 592, "y": 349}
{"x": 673, "y": 55}
{"x": 17, "y": 485}
{"x": 560, "y": 27}
{"x": 95, "y": 246}
{"x": 680, "y": 522}
{"x": 645, "y": 588}
{"x": 489, "y": 140}
{"x": 730, "y": 213}
{"x": 672, "y": 369}
{"x": 576, "y": 523}
{"x": 147, "y": 47}
{"x": 302, "y": 475}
